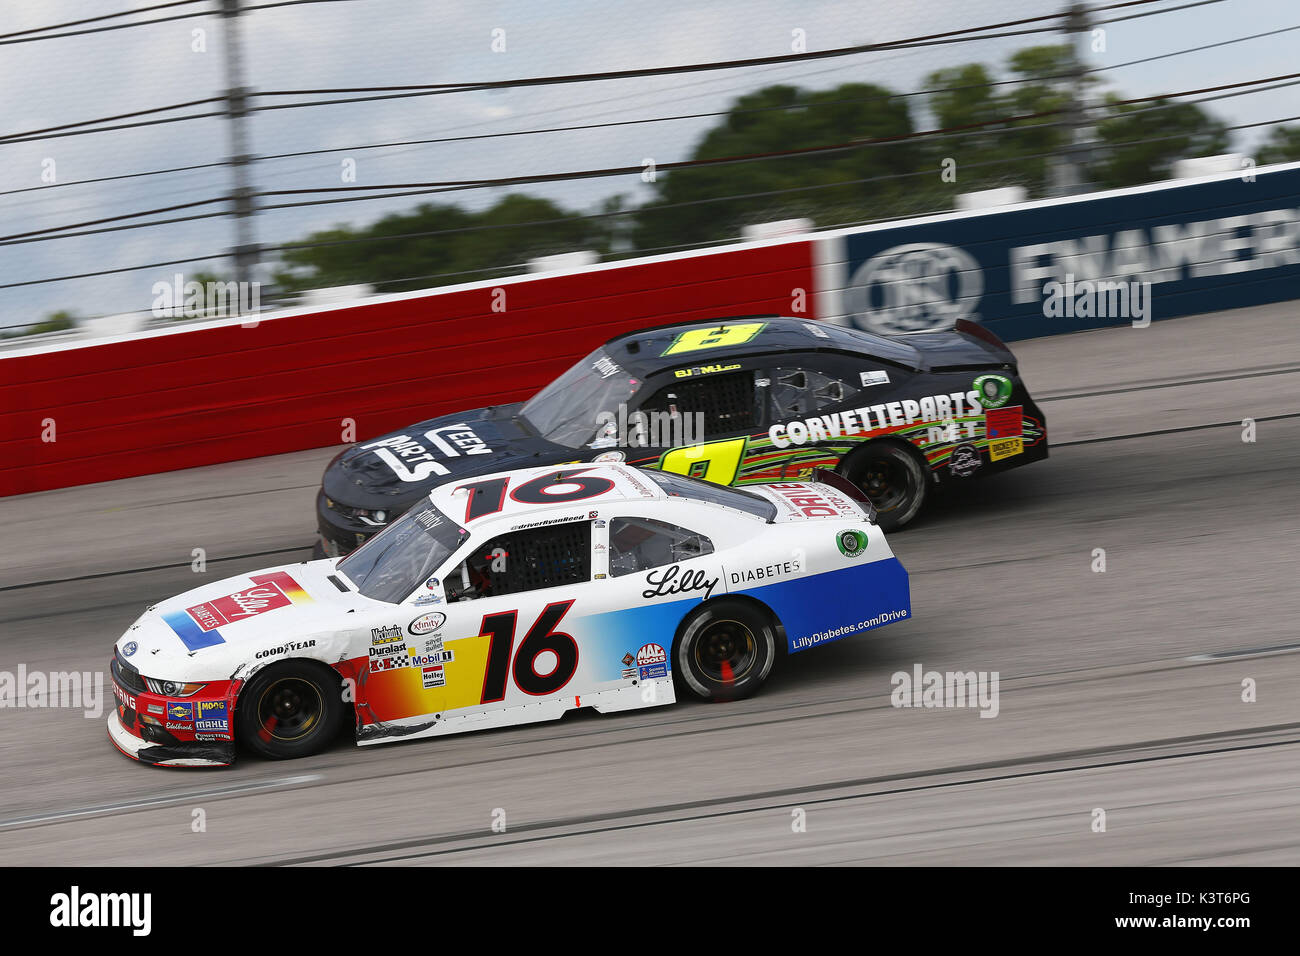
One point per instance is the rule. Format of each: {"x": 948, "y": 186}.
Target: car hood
{"x": 215, "y": 632}
{"x": 394, "y": 470}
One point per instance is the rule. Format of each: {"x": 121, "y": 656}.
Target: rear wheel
{"x": 893, "y": 477}
{"x": 726, "y": 650}
{"x": 289, "y": 709}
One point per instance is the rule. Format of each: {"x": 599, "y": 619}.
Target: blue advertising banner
{"x": 1113, "y": 258}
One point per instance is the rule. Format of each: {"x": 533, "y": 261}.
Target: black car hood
{"x": 396, "y": 469}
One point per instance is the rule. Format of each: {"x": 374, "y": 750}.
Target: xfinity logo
{"x": 914, "y": 287}
{"x": 74, "y": 909}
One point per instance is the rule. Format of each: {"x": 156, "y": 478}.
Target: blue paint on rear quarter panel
{"x": 847, "y": 601}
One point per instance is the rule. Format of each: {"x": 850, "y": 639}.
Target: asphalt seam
{"x": 587, "y": 830}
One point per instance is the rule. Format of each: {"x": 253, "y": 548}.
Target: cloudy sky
{"x": 353, "y": 43}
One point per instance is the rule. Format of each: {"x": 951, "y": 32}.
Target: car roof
{"x": 623, "y": 484}
{"x": 644, "y": 349}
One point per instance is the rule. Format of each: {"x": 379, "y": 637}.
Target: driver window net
{"x": 527, "y": 561}
{"x": 726, "y": 401}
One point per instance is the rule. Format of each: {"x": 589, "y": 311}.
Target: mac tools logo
{"x": 914, "y": 287}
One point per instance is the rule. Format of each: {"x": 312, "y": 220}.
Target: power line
{"x": 417, "y": 189}
{"x": 399, "y": 92}
{"x": 290, "y": 3}
{"x": 6, "y": 141}
{"x": 634, "y": 122}
{"x": 1152, "y": 13}
{"x": 109, "y": 179}
{"x": 960, "y": 35}
{"x": 441, "y": 89}
{"x": 105, "y": 16}
{"x": 649, "y": 71}
{"x": 653, "y": 207}
{"x": 109, "y": 272}
{"x": 632, "y": 253}
{"x": 758, "y": 109}
{"x": 117, "y": 218}
{"x": 456, "y": 185}
{"x": 107, "y": 27}
{"x": 639, "y": 210}
{"x": 37, "y": 133}
{"x": 23, "y": 37}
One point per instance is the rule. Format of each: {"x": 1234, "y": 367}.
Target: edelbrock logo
{"x": 914, "y": 287}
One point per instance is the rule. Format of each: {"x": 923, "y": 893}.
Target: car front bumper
{"x": 171, "y": 732}
{"x": 206, "y": 754}
{"x": 339, "y": 534}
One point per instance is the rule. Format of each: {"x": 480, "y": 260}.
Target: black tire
{"x": 289, "y": 709}
{"x": 893, "y": 477}
{"x": 725, "y": 650}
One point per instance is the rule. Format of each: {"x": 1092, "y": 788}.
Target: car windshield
{"x": 390, "y": 565}
{"x": 683, "y": 487}
{"x": 565, "y": 411}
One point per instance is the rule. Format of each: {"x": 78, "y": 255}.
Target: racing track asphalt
{"x": 1119, "y": 690}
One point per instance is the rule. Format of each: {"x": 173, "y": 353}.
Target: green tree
{"x": 997, "y": 153}
{"x": 689, "y": 205}
{"x": 54, "y": 322}
{"x": 1141, "y": 142}
{"x": 1282, "y": 146}
{"x": 438, "y": 244}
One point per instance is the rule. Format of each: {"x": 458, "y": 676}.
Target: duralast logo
{"x": 77, "y": 909}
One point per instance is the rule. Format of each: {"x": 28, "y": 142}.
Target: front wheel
{"x": 290, "y": 709}
{"x": 726, "y": 650}
{"x": 892, "y": 477}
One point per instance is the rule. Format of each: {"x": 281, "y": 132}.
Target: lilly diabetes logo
{"x": 913, "y": 287}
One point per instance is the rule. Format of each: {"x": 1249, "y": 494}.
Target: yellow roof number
{"x": 713, "y": 337}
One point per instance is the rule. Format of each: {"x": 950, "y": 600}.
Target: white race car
{"x": 506, "y": 600}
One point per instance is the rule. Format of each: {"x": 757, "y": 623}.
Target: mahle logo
{"x": 851, "y": 543}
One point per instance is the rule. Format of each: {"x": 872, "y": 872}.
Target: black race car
{"x": 736, "y": 401}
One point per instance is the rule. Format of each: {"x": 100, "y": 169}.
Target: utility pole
{"x": 246, "y": 250}
{"x": 1068, "y": 168}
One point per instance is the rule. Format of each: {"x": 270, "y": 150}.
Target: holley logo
{"x": 267, "y": 594}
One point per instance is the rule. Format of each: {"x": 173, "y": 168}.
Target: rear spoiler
{"x": 837, "y": 481}
{"x": 979, "y": 332}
